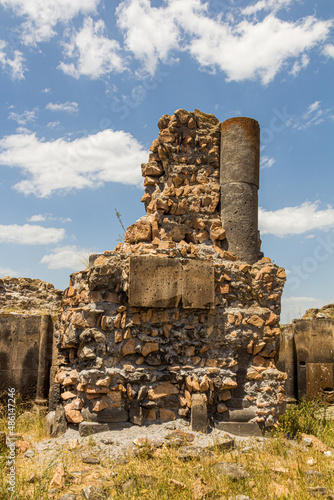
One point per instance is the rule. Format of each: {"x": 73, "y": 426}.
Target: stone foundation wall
{"x": 144, "y": 363}
{"x": 171, "y": 312}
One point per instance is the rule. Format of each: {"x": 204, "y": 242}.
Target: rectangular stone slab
{"x": 318, "y": 376}
{"x": 199, "y": 413}
{"x": 161, "y": 282}
{"x": 240, "y": 428}
{"x": 89, "y": 428}
{"x": 198, "y": 285}
{"x": 155, "y": 282}
{"x": 107, "y": 416}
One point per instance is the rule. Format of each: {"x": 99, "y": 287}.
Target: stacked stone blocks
{"x": 172, "y": 312}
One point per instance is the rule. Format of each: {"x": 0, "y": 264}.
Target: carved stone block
{"x": 162, "y": 282}
{"x": 155, "y": 282}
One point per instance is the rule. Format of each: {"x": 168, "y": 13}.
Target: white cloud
{"x": 30, "y": 235}
{"x": 267, "y": 162}
{"x": 44, "y": 217}
{"x": 295, "y": 220}
{"x": 300, "y": 64}
{"x": 46, "y": 90}
{"x": 23, "y": 118}
{"x": 23, "y": 130}
{"x": 88, "y": 162}
{"x": 295, "y": 307}
{"x": 69, "y": 257}
{"x": 314, "y": 107}
{"x": 151, "y": 33}
{"x": 241, "y": 47}
{"x": 15, "y": 66}
{"x": 94, "y": 53}
{"x": 53, "y": 124}
{"x": 7, "y": 271}
{"x": 329, "y": 50}
{"x": 314, "y": 115}
{"x": 251, "y": 50}
{"x": 248, "y": 43}
{"x": 67, "y": 107}
{"x": 272, "y": 5}
{"x": 37, "y": 218}
{"x": 41, "y": 16}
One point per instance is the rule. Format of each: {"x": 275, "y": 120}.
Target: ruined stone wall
{"x": 326, "y": 312}
{"x": 181, "y": 180}
{"x": 29, "y": 310}
{"x": 171, "y": 312}
{"x": 148, "y": 360}
{"x": 307, "y": 355}
{"x": 25, "y": 354}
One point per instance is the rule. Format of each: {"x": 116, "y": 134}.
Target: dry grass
{"x": 29, "y": 419}
{"x": 279, "y": 470}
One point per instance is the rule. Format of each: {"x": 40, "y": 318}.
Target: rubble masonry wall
{"x": 172, "y": 312}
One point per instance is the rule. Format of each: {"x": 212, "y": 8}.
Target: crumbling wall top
{"x": 29, "y": 296}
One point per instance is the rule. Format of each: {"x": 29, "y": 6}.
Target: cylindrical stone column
{"x": 44, "y": 360}
{"x": 239, "y": 180}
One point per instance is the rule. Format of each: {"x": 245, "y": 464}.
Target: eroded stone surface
{"x": 171, "y": 281}
{"x": 155, "y": 282}
{"x": 198, "y": 290}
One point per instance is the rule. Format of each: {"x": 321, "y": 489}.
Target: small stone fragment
{"x": 93, "y": 493}
{"x": 58, "y": 479}
{"x": 199, "y": 489}
{"x": 231, "y": 470}
{"x": 317, "y": 491}
{"x": 221, "y": 408}
{"x": 177, "y": 483}
{"x": 91, "y": 460}
{"x": 29, "y": 454}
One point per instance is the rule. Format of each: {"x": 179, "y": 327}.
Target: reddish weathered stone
{"x": 255, "y": 320}
{"x": 166, "y": 415}
{"x": 149, "y": 347}
{"x": 228, "y": 383}
{"x": 73, "y": 416}
{"x": 100, "y": 405}
{"x": 162, "y": 390}
{"x": 68, "y": 395}
{"x": 129, "y": 347}
{"x": 140, "y": 231}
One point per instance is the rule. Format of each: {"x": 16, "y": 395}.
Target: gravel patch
{"x": 118, "y": 443}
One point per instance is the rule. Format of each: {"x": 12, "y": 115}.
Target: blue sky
{"x": 83, "y": 84}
